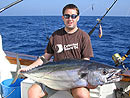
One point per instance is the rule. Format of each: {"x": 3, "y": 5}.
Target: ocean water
{"x": 28, "y": 35}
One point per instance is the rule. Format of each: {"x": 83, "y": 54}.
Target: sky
{"x": 54, "y": 7}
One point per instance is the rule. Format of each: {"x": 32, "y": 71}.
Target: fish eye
{"x": 104, "y": 71}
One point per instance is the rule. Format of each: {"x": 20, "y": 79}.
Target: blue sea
{"x": 28, "y": 35}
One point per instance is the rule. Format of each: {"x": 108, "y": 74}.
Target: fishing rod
{"x": 99, "y": 20}
{"x": 126, "y": 55}
{"x": 8, "y": 6}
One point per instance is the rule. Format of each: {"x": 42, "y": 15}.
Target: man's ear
{"x": 63, "y": 17}
{"x": 78, "y": 18}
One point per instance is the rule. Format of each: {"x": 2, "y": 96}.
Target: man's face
{"x": 70, "y": 18}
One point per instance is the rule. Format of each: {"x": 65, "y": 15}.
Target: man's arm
{"x": 37, "y": 62}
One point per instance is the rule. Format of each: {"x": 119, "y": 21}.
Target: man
{"x": 67, "y": 42}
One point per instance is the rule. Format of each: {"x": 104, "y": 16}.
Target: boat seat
{"x": 27, "y": 83}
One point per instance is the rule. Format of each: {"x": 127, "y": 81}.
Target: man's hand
{"x": 24, "y": 69}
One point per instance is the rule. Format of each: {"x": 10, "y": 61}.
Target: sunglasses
{"x": 67, "y": 16}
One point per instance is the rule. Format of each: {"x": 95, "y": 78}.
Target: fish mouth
{"x": 115, "y": 76}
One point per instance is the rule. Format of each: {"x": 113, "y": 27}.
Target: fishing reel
{"x": 119, "y": 60}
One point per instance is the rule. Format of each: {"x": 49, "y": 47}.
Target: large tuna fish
{"x": 71, "y": 73}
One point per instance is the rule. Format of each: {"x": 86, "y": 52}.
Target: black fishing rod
{"x": 99, "y": 21}
{"x": 8, "y": 6}
{"x": 126, "y": 55}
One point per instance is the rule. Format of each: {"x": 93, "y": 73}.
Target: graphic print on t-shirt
{"x": 66, "y": 47}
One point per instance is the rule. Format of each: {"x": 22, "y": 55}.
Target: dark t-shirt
{"x": 63, "y": 45}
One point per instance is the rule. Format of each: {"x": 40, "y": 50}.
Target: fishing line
{"x": 93, "y": 29}
{"x": 44, "y": 29}
{"x": 90, "y": 7}
{"x": 128, "y": 13}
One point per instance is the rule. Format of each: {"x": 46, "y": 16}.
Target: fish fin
{"x": 18, "y": 67}
{"x": 83, "y": 75}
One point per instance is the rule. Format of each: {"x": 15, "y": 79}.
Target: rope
{"x": 9, "y": 94}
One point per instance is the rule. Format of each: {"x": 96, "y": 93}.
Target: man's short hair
{"x": 70, "y": 6}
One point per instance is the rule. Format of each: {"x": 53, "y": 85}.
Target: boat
{"x": 8, "y": 65}
{"x": 8, "y": 60}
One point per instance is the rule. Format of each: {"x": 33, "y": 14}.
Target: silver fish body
{"x": 71, "y": 73}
